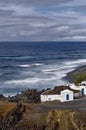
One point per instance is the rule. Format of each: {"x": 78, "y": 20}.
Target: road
{"x": 78, "y": 105}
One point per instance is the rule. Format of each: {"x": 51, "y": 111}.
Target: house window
{"x": 67, "y": 97}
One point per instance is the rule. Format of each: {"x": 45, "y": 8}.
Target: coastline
{"x": 68, "y": 79}
{"x": 36, "y": 93}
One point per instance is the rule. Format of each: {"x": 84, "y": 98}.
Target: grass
{"x": 5, "y": 107}
{"x": 78, "y": 77}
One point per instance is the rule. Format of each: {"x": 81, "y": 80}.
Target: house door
{"x": 82, "y": 91}
{"x": 67, "y": 97}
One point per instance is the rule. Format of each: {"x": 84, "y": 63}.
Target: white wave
{"x": 24, "y": 66}
{"x": 29, "y": 65}
{"x": 49, "y": 70}
{"x": 37, "y": 64}
{"x": 61, "y": 70}
{"x": 77, "y": 62}
{"x": 30, "y": 80}
{"x": 69, "y": 66}
{"x": 44, "y": 76}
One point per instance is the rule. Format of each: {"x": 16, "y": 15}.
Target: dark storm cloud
{"x": 6, "y": 13}
{"x": 42, "y": 20}
{"x": 34, "y": 2}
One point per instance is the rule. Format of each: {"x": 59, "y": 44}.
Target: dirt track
{"x": 78, "y": 105}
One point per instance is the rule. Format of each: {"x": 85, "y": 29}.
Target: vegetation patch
{"x": 78, "y": 77}
{"x": 5, "y": 107}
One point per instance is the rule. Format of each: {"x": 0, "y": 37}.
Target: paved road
{"x": 78, "y": 105}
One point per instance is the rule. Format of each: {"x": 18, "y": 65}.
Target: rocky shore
{"x": 27, "y": 96}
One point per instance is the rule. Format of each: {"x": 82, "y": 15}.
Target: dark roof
{"x": 58, "y": 89}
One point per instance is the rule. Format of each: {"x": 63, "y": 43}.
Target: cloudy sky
{"x": 42, "y": 20}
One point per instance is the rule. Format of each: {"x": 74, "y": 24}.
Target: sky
{"x": 42, "y": 20}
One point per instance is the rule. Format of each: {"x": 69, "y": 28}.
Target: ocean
{"x": 38, "y": 65}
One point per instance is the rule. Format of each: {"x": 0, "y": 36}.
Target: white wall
{"x": 45, "y": 98}
{"x": 76, "y": 95}
{"x": 83, "y": 82}
{"x": 61, "y": 97}
{"x": 83, "y": 87}
{"x": 64, "y": 94}
{"x": 72, "y": 86}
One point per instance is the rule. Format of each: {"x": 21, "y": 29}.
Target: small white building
{"x": 54, "y": 97}
{"x": 81, "y": 87}
{"x": 83, "y": 90}
{"x": 60, "y": 93}
{"x": 66, "y": 95}
{"x": 83, "y": 83}
{"x": 74, "y": 87}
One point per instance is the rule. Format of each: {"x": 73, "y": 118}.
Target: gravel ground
{"x": 78, "y": 105}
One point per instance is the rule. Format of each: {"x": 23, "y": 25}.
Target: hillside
{"x": 27, "y": 116}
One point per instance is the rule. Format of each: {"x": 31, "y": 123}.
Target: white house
{"x": 74, "y": 87}
{"x": 54, "y": 97}
{"x": 83, "y": 90}
{"x": 83, "y": 83}
{"x": 66, "y": 95}
{"x": 61, "y": 93}
{"x": 81, "y": 87}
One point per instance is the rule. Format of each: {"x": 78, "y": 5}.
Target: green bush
{"x": 78, "y": 77}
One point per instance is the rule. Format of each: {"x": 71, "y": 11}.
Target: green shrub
{"x": 78, "y": 77}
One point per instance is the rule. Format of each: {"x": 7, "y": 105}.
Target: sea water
{"x": 38, "y": 65}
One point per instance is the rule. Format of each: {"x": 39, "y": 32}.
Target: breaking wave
{"x": 37, "y": 65}
{"x": 28, "y": 65}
